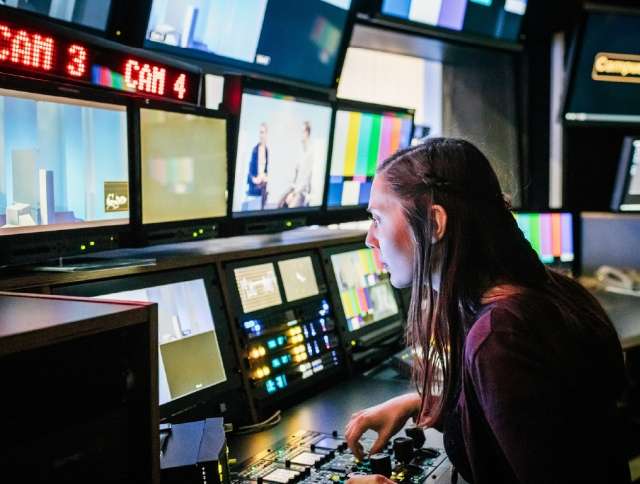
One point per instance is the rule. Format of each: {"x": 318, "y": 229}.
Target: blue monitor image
{"x": 626, "y": 194}
{"x": 497, "y": 19}
{"x": 88, "y": 13}
{"x": 64, "y": 163}
{"x": 296, "y": 40}
{"x": 281, "y": 161}
{"x": 604, "y": 84}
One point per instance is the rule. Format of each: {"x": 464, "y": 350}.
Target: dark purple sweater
{"x": 537, "y": 402}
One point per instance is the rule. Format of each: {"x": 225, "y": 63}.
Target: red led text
{"x": 25, "y": 49}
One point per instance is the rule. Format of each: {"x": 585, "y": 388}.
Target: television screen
{"x": 189, "y": 357}
{"x": 184, "y": 166}
{"x": 88, "y": 13}
{"x": 284, "y": 38}
{"x": 64, "y": 163}
{"x": 257, "y": 286}
{"x": 360, "y": 141}
{"x": 298, "y": 278}
{"x": 626, "y": 197}
{"x": 605, "y": 80}
{"x": 550, "y": 235}
{"x": 365, "y": 291}
{"x": 282, "y": 154}
{"x": 498, "y": 19}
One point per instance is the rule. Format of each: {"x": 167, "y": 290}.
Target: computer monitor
{"x": 64, "y": 164}
{"x": 552, "y": 236}
{"x": 604, "y": 69}
{"x": 283, "y": 144}
{"x": 87, "y": 13}
{"x": 626, "y": 193}
{"x": 363, "y": 136}
{"x": 368, "y": 305}
{"x": 288, "y": 331}
{"x": 299, "y": 41}
{"x": 183, "y": 170}
{"x": 496, "y": 19}
{"x": 196, "y": 357}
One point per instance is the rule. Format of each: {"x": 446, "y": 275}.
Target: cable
{"x": 260, "y": 426}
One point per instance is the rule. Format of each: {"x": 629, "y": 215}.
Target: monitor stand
{"x": 78, "y": 264}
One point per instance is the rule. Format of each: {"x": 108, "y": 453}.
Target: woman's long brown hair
{"x": 482, "y": 247}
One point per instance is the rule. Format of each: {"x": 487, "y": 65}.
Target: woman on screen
{"x": 520, "y": 366}
{"x": 298, "y": 194}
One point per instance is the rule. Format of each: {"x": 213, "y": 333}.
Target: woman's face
{"x": 390, "y": 233}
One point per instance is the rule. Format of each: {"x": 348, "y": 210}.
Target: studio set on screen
{"x": 320, "y": 241}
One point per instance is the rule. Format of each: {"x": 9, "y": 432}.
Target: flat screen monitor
{"x": 64, "y": 164}
{"x": 195, "y": 355}
{"x": 282, "y": 150}
{"x": 551, "y": 234}
{"x": 87, "y": 13}
{"x": 497, "y": 19}
{"x": 291, "y": 39}
{"x": 604, "y": 80}
{"x": 361, "y": 140}
{"x": 366, "y": 294}
{"x": 184, "y": 166}
{"x": 626, "y": 194}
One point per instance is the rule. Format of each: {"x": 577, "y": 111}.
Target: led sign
{"x": 35, "y": 52}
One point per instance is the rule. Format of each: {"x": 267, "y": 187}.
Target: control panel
{"x": 309, "y": 457}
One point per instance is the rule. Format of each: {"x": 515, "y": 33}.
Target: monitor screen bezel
{"x": 623, "y": 178}
{"x": 142, "y": 231}
{"x": 355, "y": 212}
{"x": 377, "y": 17}
{"x": 576, "y": 264}
{"x": 304, "y": 96}
{"x": 224, "y": 335}
{"x": 211, "y": 65}
{"x": 109, "y": 28}
{"x": 355, "y": 336}
{"x": 64, "y": 242}
{"x": 573, "y": 57}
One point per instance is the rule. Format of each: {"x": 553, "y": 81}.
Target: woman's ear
{"x": 439, "y": 217}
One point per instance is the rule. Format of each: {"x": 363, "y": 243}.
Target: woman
{"x": 521, "y": 367}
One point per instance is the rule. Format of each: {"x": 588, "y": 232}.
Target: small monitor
{"x": 361, "y": 140}
{"x": 64, "y": 164}
{"x": 87, "y": 13}
{"x": 298, "y": 278}
{"x": 496, "y": 19}
{"x": 292, "y": 39}
{"x": 626, "y": 195}
{"x": 257, "y": 286}
{"x": 604, "y": 76}
{"x": 551, "y": 234}
{"x": 281, "y": 160}
{"x": 364, "y": 288}
{"x": 195, "y": 355}
{"x": 184, "y": 166}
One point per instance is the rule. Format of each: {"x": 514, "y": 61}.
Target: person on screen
{"x": 298, "y": 194}
{"x": 518, "y": 365}
{"x": 258, "y": 168}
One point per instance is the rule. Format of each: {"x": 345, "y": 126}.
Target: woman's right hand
{"x": 386, "y": 419}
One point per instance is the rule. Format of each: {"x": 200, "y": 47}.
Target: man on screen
{"x": 298, "y": 194}
{"x": 258, "y": 169}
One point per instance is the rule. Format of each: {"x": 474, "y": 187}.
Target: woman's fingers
{"x": 355, "y": 428}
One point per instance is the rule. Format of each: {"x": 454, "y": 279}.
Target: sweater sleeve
{"x": 512, "y": 388}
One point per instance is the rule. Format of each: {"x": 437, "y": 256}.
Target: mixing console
{"x": 310, "y": 457}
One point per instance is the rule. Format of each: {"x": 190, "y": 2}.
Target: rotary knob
{"x": 380, "y": 464}
{"x": 403, "y": 449}
{"x": 417, "y": 434}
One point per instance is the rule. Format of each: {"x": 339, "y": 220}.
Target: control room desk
{"x": 328, "y": 411}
